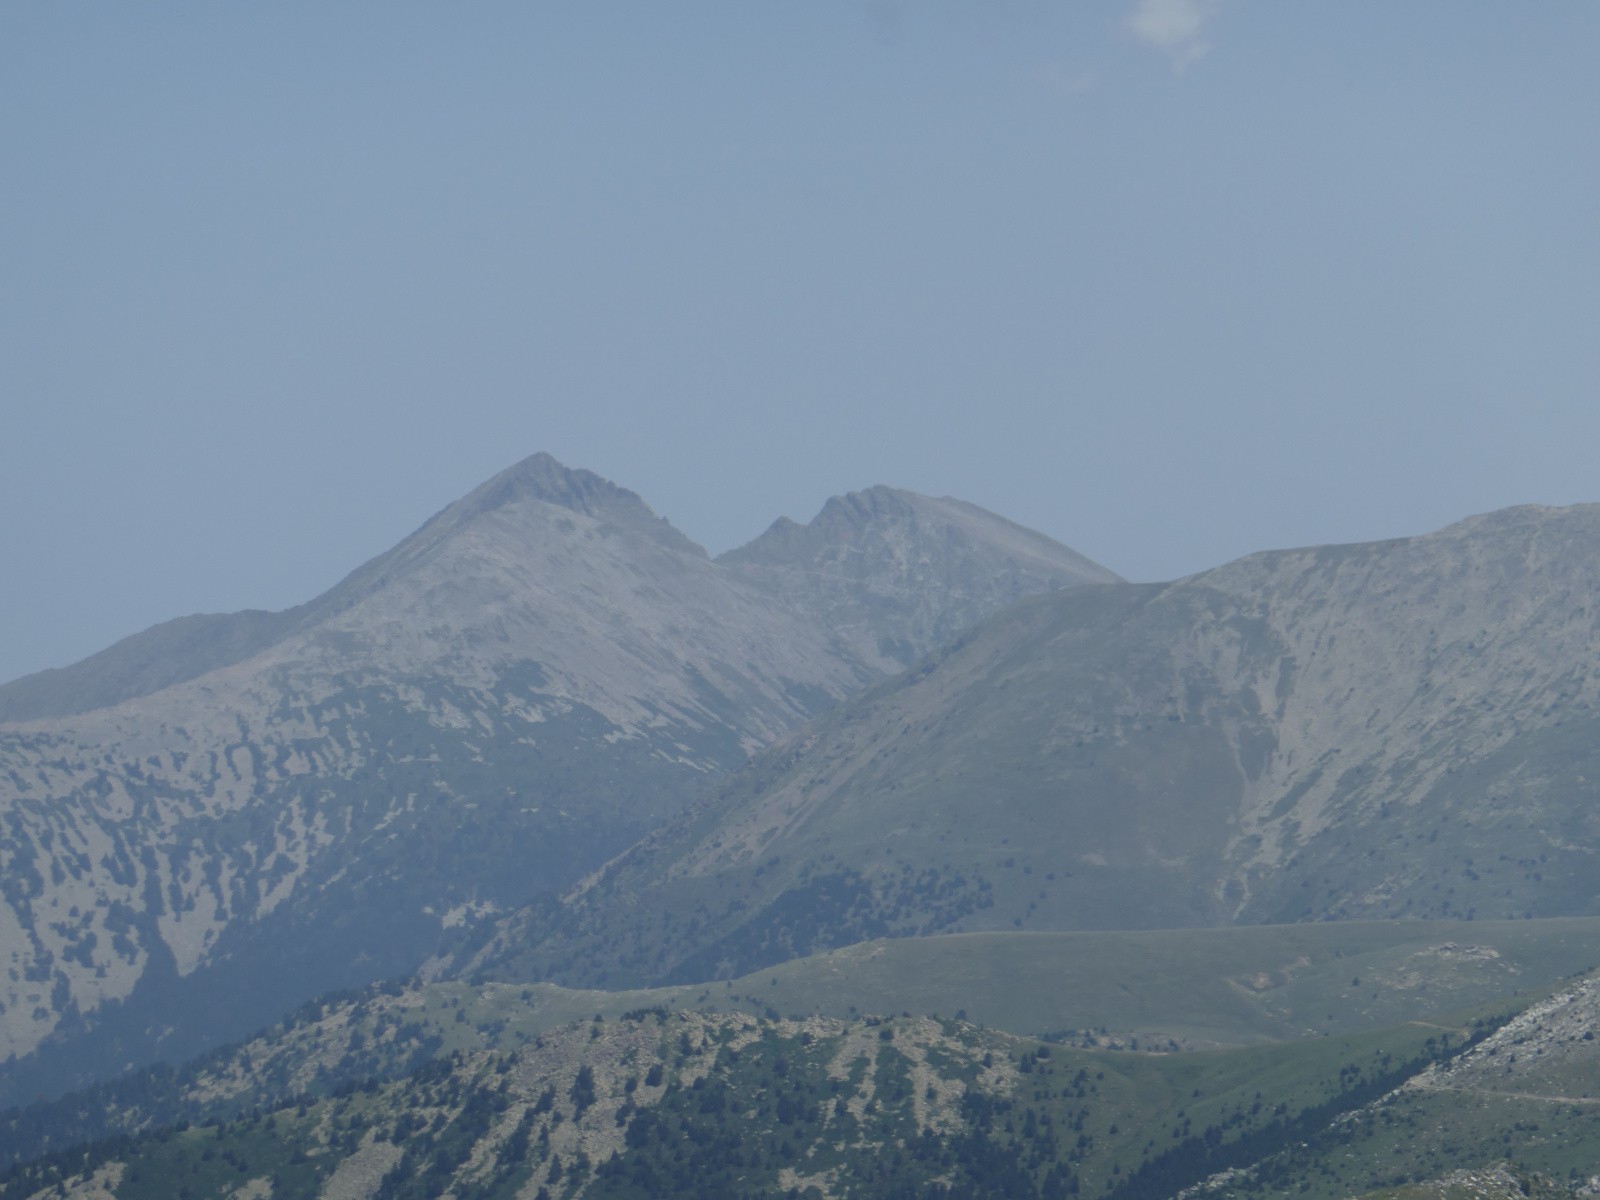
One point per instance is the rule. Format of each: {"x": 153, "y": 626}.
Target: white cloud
{"x": 1175, "y": 27}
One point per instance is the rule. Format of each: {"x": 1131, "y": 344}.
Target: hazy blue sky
{"x": 1171, "y": 281}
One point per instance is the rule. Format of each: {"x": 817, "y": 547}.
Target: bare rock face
{"x": 1400, "y": 729}
{"x": 224, "y": 816}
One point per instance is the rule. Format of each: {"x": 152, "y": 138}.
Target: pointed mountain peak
{"x": 533, "y": 483}
{"x": 541, "y": 477}
{"x": 185, "y": 648}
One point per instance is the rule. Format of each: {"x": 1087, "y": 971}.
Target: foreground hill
{"x": 659, "y": 1104}
{"x": 1155, "y": 991}
{"x": 1399, "y": 729}
{"x": 197, "y": 833}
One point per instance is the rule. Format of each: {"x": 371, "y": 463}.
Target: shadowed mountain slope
{"x": 1399, "y": 729}
{"x": 542, "y": 673}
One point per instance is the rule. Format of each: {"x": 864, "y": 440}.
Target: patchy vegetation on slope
{"x": 661, "y": 1104}
{"x": 1141, "y": 992}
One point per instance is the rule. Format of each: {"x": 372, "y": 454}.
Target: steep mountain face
{"x": 539, "y": 675}
{"x": 897, "y": 575}
{"x": 1407, "y": 728}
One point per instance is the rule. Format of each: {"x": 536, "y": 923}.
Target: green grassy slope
{"x": 1226, "y": 986}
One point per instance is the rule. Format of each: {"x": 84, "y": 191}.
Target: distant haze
{"x": 1169, "y": 281}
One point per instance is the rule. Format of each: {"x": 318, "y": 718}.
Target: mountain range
{"x": 226, "y": 815}
{"x": 1407, "y": 728}
{"x": 546, "y": 757}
